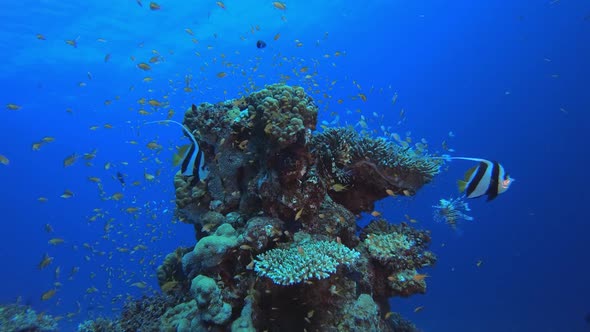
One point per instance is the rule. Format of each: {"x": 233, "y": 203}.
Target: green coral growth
{"x": 317, "y": 259}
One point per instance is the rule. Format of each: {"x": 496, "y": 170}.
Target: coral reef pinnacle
{"x": 278, "y": 247}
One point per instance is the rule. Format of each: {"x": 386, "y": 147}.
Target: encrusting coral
{"x": 278, "y": 247}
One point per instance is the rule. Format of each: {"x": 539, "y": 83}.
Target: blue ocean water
{"x": 510, "y": 80}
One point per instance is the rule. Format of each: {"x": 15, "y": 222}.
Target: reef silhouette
{"x": 278, "y": 247}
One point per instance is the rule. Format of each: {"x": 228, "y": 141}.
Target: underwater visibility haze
{"x": 294, "y": 166}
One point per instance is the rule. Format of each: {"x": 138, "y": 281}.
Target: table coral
{"x": 316, "y": 259}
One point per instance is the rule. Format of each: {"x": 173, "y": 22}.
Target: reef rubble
{"x": 278, "y": 244}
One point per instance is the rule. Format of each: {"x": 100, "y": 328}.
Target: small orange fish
{"x": 154, "y": 6}
{"x": 279, "y": 5}
{"x": 298, "y": 215}
{"x": 144, "y": 66}
{"x": 13, "y": 107}
{"x": 72, "y": 42}
{"x": 56, "y": 241}
{"x": 420, "y": 277}
{"x": 45, "y": 261}
{"x": 70, "y": 160}
{"x": 49, "y": 294}
{"x": 338, "y": 187}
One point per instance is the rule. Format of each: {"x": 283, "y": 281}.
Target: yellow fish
{"x": 139, "y": 284}
{"x": 13, "y": 107}
{"x": 144, "y": 66}
{"x": 298, "y": 215}
{"x": 48, "y": 295}
{"x": 154, "y": 103}
{"x": 131, "y": 209}
{"x": 45, "y": 261}
{"x": 154, "y": 6}
{"x": 72, "y": 42}
{"x": 4, "y": 160}
{"x": 56, "y": 241}
{"x": 339, "y": 187}
{"x": 117, "y": 196}
{"x": 279, "y": 5}
{"x": 37, "y": 146}
{"x": 70, "y": 160}
{"x": 48, "y": 139}
{"x": 148, "y": 176}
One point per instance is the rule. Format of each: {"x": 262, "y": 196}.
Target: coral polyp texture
{"x": 306, "y": 261}
{"x": 278, "y": 247}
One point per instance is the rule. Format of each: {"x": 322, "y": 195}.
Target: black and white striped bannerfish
{"x": 487, "y": 178}
{"x": 190, "y": 157}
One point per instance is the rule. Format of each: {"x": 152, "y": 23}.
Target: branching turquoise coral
{"x": 308, "y": 260}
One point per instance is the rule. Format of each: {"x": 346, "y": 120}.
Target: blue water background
{"x": 509, "y": 79}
